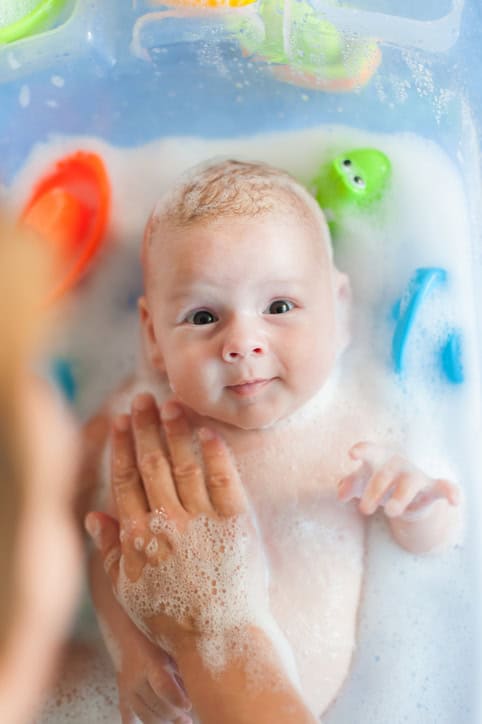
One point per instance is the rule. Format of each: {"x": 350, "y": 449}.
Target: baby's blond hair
{"x": 232, "y": 188}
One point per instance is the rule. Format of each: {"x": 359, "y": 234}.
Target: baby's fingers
{"x": 440, "y": 489}
{"x": 409, "y": 486}
{"x": 381, "y": 487}
{"x": 371, "y": 453}
{"x": 104, "y": 532}
{"x": 353, "y": 485}
{"x": 223, "y": 483}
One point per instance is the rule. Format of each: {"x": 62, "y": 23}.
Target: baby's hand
{"x": 390, "y": 481}
{"x": 187, "y": 539}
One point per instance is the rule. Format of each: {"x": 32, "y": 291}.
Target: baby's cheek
{"x": 195, "y": 382}
{"x": 313, "y": 360}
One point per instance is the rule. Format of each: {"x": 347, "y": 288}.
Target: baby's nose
{"x": 240, "y": 344}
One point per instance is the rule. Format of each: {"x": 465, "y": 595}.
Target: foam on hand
{"x": 213, "y": 580}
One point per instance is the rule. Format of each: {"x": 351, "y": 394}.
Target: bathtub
{"x": 154, "y": 89}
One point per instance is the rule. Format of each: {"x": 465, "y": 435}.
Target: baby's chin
{"x": 251, "y": 419}
{"x": 264, "y": 418}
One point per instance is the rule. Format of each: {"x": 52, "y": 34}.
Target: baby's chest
{"x": 315, "y": 554}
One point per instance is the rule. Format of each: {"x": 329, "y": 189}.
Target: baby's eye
{"x": 280, "y": 306}
{"x": 201, "y": 316}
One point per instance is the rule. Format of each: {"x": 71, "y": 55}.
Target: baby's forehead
{"x": 212, "y": 251}
{"x": 226, "y": 234}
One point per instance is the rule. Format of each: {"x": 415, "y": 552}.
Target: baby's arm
{"x": 423, "y": 513}
{"x": 188, "y": 567}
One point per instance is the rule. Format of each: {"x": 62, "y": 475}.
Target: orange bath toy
{"x": 69, "y": 210}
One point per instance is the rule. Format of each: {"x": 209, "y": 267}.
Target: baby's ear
{"x": 343, "y": 303}
{"x": 150, "y": 346}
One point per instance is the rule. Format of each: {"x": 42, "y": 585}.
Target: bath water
{"x": 418, "y": 613}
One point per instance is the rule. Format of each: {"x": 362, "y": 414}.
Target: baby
{"x": 244, "y": 319}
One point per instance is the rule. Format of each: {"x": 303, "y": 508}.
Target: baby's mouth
{"x": 249, "y": 387}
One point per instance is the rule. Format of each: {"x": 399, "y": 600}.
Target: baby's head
{"x": 244, "y": 310}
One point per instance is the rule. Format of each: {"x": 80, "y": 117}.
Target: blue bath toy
{"x": 63, "y": 375}
{"x": 405, "y": 311}
{"x": 451, "y": 358}
{"x": 419, "y": 288}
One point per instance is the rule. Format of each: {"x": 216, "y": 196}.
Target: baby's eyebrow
{"x": 182, "y": 294}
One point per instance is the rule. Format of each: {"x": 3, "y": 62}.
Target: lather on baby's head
{"x": 243, "y": 308}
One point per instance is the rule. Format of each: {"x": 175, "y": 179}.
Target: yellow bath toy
{"x": 200, "y": 3}
{"x": 304, "y": 48}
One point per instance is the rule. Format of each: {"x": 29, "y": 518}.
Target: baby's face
{"x": 241, "y": 315}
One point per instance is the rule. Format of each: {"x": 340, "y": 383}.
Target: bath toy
{"x": 69, "y": 209}
{"x": 419, "y": 288}
{"x": 451, "y": 358}
{"x": 354, "y": 179}
{"x": 21, "y": 18}
{"x": 305, "y": 49}
{"x": 63, "y": 375}
{"x": 202, "y": 3}
{"x": 178, "y": 9}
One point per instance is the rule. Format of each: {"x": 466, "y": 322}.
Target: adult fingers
{"x": 223, "y": 483}
{"x": 167, "y": 686}
{"x": 127, "y": 490}
{"x": 186, "y": 468}
{"x": 144, "y": 713}
{"x": 104, "y": 532}
{"x": 127, "y": 715}
{"x": 159, "y": 705}
{"x": 147, "y": 715}
{"x": 153, "y": 463}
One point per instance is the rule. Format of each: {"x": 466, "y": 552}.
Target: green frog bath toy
{"x": 354, "y": 180}
{"x": 21, "y": 18}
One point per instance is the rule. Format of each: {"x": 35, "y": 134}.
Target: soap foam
{"x": 212, "y": 568}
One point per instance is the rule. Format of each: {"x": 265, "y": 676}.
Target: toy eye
{"x": 201, "y": 317}
{"x": 280, "y": 306}
{"x": 359, "y": 181}
{"x": 347, "y": 163}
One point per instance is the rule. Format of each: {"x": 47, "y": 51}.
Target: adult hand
{"x": 186, "y": 540}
